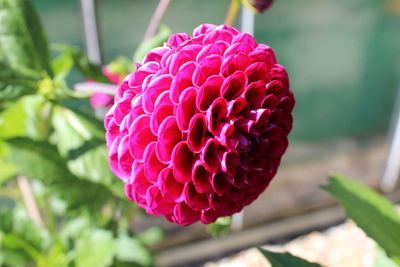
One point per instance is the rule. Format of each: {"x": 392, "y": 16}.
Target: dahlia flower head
{"x": 198, "y": 130}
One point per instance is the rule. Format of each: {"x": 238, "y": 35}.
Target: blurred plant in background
{"x": 59, "y": 203}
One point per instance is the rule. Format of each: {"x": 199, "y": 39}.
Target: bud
{"x": 258, "y": 6}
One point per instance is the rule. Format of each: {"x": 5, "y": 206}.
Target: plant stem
{"x": 232, "y": 12}
{"x": 156, "y": 19}
{"x": 29, "y": 199}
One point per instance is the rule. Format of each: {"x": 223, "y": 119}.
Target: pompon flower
{"x": 199, "y": 129}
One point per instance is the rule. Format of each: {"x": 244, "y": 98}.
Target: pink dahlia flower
{"x": 199, "y": 129}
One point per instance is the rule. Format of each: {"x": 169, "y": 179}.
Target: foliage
{"x": 285, "y": 259}
{"x": 48, "y": 134}
{"x": 370, "y": 211}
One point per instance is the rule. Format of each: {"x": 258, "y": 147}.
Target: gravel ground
{"x": 340, "y": 246}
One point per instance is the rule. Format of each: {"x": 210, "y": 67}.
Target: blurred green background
{"x": 342, "y": 55}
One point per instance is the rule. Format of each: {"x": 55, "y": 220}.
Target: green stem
{"x": 232, "y": 12}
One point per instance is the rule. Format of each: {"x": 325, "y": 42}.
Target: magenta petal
{"x": 182, "y": 81}
{"x": 275, "y": 87}
{"x": 233, "y": 86}
{"x": 152, "y": 166}
{"x": 245, "y": 38}
{"x": 194, "y": 199}
{"x": 238, "y": 48}
{"x": 257, "y": 71}
{"x": 238, "y": 106}
{"x": 217, "y": 113}
{"x": 203, "y": 28}
{"x": 208, "y": 92}
{"x": 208, "y": 67}
{"x": 233, "y": 63}
{"x": 218, "y": 48}
{"x": 176, "y": 39}
{"x": 171, "y": 189}
{"x": 124, "y": 158}
{"x": 113, "y": 158}
{"x": 196, "y": 132}
{"x": 122, "y": 108}
{"x": 230, "y": 162}
{"x": 154, "y": 89}
{"x": 168, "y": 136}
{"x": 209, "y": 216}
{"x": 156, "y": 204}
{"x": 220, "y": 182}
{"x": 184, "y": 215}
{"x": 218, "y": 203}
{"x": 182, "y": 162}
{"x": 186, "y": 108}
{"x": 214, "y": 36}
{"x": 185, "y": 54}
{"x": 140, "y": 136}
{"x": 139, "y": 180}
{"x": 264, "y": 54}
{"x": 255, "y": 93}
{"x": 201, "y": 178}
{"x": 211, "y": 155}
{"x": 156, "y": 54}
{"x": 163, "y": 108}
{"x": 143, "y": 71}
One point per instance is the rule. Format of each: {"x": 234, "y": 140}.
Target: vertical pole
{"x": 392, "y": 171}
{"x": 91, "y": 31}
{"x": 247, "y": 25}
{"x": 29, "y": 199}
{"x": 156, "y": 19}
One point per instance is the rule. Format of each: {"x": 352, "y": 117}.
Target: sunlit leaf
{"x": 95, "y": 249}
{"x": 81, "y": 142}
{"x": 22, "y": 38}
{"x": 130, "y": 249}
{"x": 285, "y": 259}
{"x": 42, "y": 161}
{"x": 220, "y": 227}
{"x": 27, "y": 117}
{"x": 14, "y": 84}
{"x": 370, "y": 211}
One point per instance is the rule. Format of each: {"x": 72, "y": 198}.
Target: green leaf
{"x": 285, "y": 259}
{"x": 8, "y": 171}
{"x": 370, "y": 211}
{"x": 56, "y": 257}
{"x": 27, "y": 117}
{"x": 150, "y": 236}
{"x": 220, "y": 227}
{"x": 162, "y": 35}
{"x": 62, "y": 65}
{"x": 42, "y": 161}
{"x": 82, "y": 145}
{"x": 82, "y": 63}
{"x": 96, "y": 249}
{"x": 130, "y": 249}
{"x": 14, "y": 84}
{"x": 22, "y": 38}
{"x": 382, "y": 260}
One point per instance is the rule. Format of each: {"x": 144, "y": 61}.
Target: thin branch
{"x": 232, "y": 12}
{"x": 95, "y": 87}
{"x": 156, "y": 19}
{"x": 29, "y": 199}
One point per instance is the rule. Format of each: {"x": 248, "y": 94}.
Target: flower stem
{"x": 156, "y": 19}
{"x": 232, "y": 12}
